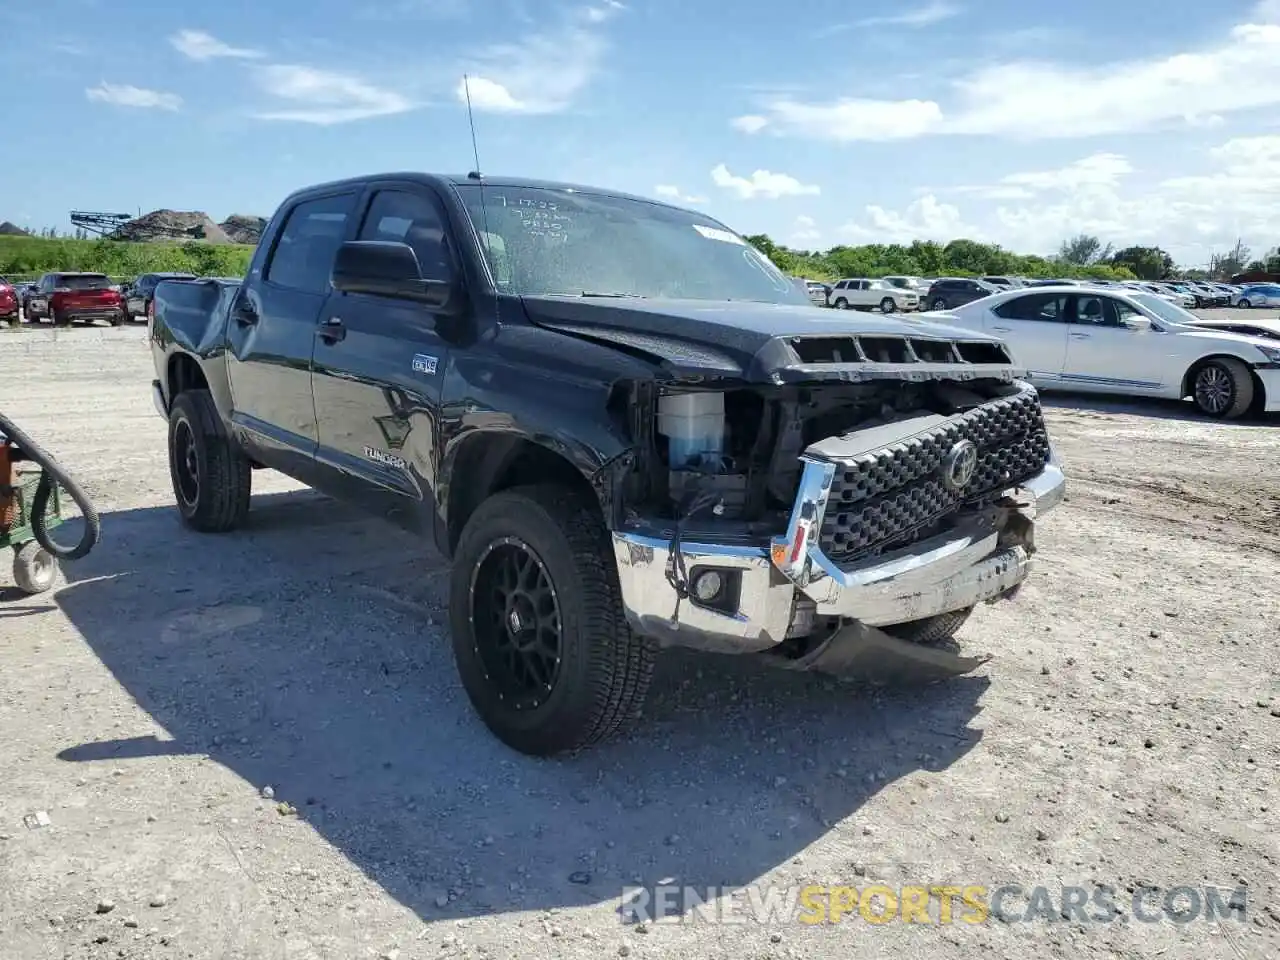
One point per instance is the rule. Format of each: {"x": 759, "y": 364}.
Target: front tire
{"x": 1245, "y": 303}
{"x": 939, "y": 304}
{"x": 540, "y": 637}
{"x": 1222, "y": 388}
{"x": 211, "y": 476}
{"x": 842, "y": 304}
{"x": 931, "y": 631}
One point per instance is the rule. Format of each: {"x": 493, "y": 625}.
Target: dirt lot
{"x": 1125, "y": 733}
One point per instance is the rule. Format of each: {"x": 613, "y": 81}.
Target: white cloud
{"x": 543, "y": 72}
{"x": 761, "y": 183}
{"x": 916, "y": 17}
{"x": 322, "y": 97}
{"x": 198, "y": 45}
{"x": 668, "y": 192}
{"x": 805, "y": 232}
{"x": 847, "y": 119}
{"x": 124, "y": 95}
{"x": 488, "y": 95}
{"x": 925, "y": 218}
{"x": 1038, "y": 99}
{"x": 925, "y": 16}
{"x": 603, "y": 12}
{"x": 1105, "y": 196}
{"x": 751, "y": 123}
{"x": 1098, "y": 170}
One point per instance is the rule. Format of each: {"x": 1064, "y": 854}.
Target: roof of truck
{"x": 456, "y": 179}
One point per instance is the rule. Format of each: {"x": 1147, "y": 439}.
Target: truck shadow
{"x": 306, "y": 652}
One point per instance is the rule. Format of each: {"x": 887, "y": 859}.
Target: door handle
{"x": 1081, "y": 336}
{"x": 332, "y": 330}
{"x": 246, "y": 316}
{"x": 1002, "y": 329}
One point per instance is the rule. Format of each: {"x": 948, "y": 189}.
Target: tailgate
{"x": 87, "y": 299}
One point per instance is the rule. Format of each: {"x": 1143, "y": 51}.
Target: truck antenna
{"x": 476, "y": 175}
{"x": 471, "y": 121}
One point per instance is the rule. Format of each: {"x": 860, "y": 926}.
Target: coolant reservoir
{"x": 693, "y": 424}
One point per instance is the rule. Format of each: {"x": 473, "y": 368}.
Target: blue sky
{"x": 816, "y": 121}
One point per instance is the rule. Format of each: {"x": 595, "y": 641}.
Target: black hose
{"x": 51, "y": 472}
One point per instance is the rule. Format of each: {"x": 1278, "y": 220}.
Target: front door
{"x": 379, "y": 366}
{"x": 271, "y": 333}
{"x": 1103, "y": 353}
{"x": 1035, "y": 326}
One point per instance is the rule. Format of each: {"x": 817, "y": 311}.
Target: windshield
{"x": 548, "y": 241}
{"x": 83, "y": 281}
{"x": 1166, "y": 311}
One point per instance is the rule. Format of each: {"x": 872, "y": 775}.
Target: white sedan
{"x": 1109, "y": 341}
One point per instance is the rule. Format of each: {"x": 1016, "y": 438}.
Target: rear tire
{"x": 59, "y": 320}
{"x": 549, "y": 544}
{"x": 211, "y": 476}
{"x": 1222, "y": 388}
{"x": 887, "y": 305}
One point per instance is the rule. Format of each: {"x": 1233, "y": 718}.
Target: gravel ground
{"x": 1124, "y": 733}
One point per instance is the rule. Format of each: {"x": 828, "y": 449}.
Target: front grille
{"x": 891, "y": 496}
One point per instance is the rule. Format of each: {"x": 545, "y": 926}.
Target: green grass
{"x": 25, "y": 257}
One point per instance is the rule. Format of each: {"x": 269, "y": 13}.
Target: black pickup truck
{"x": 622, "y": 424}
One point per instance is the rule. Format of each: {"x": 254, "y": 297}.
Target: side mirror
{"x": 387, "y": 269}
{"x": 1138, "y": 324}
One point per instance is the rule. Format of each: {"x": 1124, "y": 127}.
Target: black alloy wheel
{"x": 518, "y": 630}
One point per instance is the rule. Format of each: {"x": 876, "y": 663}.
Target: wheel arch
{"x": 182, "y": 373}
{"x": 489, "y": 462}
{"x": 1188, "y": 378}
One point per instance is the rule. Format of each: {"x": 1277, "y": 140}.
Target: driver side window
{"x": 406, "y": 217}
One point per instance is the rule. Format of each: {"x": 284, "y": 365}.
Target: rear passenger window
{"x": 1046, "y": 307}
{"x": 410, "y": 217}
{"x": 303, "y": 257}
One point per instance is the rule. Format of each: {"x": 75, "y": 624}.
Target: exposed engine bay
{"x": 736, "y": 451}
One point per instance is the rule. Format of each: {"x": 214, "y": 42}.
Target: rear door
{"x": 1035, "y": 326}
{"x": 1105, "y": 354}
{"x": 380, "y": 363}
{"x": 272, "y": 329}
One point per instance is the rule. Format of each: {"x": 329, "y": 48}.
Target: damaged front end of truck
{"x": 839, "y": 504}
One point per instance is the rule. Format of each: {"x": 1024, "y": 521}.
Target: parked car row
{"x": 1117, "y": 339}
{"x": 896, "y": 293}
{"x": 66, "y": 297}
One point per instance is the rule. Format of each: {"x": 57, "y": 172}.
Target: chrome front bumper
{"x": 791, "y": 577}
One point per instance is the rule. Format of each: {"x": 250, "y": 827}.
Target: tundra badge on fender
{"x": 423, "y": 363}
{"x": 390, "y": 459}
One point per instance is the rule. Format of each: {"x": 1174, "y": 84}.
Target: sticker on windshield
{"x": 724, "y": 236}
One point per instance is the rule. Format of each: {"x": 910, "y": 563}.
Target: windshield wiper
{"x": 590, "y": 293}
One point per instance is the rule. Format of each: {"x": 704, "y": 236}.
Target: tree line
{"x": 1081, "y": 257}
{"x": 32, "y": 256}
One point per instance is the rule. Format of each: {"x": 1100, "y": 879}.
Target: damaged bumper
{"x": 782, "y": 589}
